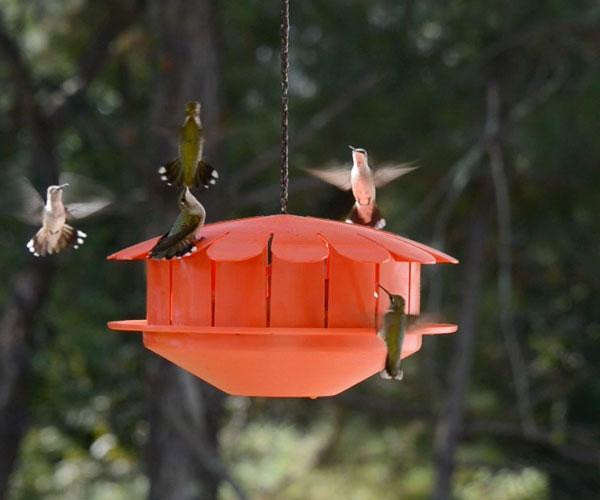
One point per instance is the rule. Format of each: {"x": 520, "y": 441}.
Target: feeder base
{"x": 276, "y": 362}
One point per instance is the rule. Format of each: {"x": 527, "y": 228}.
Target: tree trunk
{"x": 182, "y": 455}
{"x": 451, "y": 420}
{"x": 16, "y": 329}
{"x": 18, "y": 320}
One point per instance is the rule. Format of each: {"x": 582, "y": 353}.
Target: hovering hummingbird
{"x": 180, "y": 240}
{"x": 55, "y": 234}
{"x": 189, "y": 169}
{"x": 395, "y": 324}
{"x": 363, "y": 181}
{"x": 21, "y": 200}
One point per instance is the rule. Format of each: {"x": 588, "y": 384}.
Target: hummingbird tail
{"x": 366, "y": 216}
{"x": 206, "y": 175}
{"x": 173, "y": 174}
{"x": 168, "y": 247}
{"x": 47, "y": 243}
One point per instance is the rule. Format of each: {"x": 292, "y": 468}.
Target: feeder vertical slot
{"x": 158, "y": 295}
{"x": 191, "y": 295}
{"x": 351, "y": 300}
{"x": 241, "y": 292}
{"x": 297, "y": 294}
{"x": 414, "y": 299}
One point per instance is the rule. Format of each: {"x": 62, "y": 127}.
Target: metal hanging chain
{"x": 285, "y": 68}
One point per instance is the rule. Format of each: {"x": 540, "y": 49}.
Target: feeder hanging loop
{"x": 285, "y": 66}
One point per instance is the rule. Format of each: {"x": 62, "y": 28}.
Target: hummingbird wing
{"x": 172, "y": 173}
{"x": 384, "y": 175}
{"x": 84, "y": 196}
{"x": 337, "y": 176}
{"x": 179, "y": 241}
{"x": 21, "y": 200}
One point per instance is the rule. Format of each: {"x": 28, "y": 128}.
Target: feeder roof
{"x": 299, "y": 239}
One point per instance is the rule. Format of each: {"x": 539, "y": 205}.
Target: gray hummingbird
{"x": 181, "y": 239}
{"x": 395, "y": 325}
{"x": 189, "y": 169}
{"x": 23, "y": 201}
{"x": 55, "y": 234}
{"x": 363, "y": 181}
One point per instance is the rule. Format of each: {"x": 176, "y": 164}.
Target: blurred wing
{"x": 337, "y": 176}
{"x": 20, "y": 199}
{"x": 384, "y": 175}
{"x": 85, "y": 209}
{"x": 84, "y": 196}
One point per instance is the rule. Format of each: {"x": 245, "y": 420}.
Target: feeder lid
{"x": 299, "y": 239}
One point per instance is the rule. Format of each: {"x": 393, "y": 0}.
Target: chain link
{"x": 285, "y": 67}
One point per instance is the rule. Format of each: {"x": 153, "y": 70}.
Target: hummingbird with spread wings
{"x": 180, "y": 241}
{"x": 82, "y": 198}
{"x": 395, "y": 325}
{"x": 189, "y": 169}
{"x": 363, "y": 181}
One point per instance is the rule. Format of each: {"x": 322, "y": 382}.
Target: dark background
{"x": 497, "y": 101}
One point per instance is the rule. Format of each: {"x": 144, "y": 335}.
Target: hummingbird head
{"x": 359, "y": 155}
{"x": 192, "y": 108}
{"x": 55, "y": 192}
{"x": 189, "y": 203}
{"x": 396, "y": 301}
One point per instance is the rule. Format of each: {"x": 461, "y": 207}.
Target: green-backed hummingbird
{"x": 395, "y": 325}
{"x": 189, "y": 169}
{"x": 363, "y": 182}
{"x": 180, "y": 240}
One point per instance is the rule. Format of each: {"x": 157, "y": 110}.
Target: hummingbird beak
{"x": 62, "y": 186}
{"x": 352, "y": 148}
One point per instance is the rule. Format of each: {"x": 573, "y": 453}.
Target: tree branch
{"x": 450, "y": 423}
{"x": 207, "y": 458}
{"x": 504, "y": 430}
{"x": 22, "y": 77}
{"x": 503, "y": 213}
{"x": 91, "y": 62}
{"x": 317, "y": 123}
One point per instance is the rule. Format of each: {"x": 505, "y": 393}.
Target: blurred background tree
{"x": 498, "y": 102}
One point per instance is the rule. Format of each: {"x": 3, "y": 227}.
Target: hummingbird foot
{"x": 380, "y": 224}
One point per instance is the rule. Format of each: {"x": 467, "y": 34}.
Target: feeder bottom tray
{"x": 276, "y": 362}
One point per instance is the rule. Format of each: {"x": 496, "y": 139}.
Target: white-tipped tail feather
{"x": 47, "y": 242}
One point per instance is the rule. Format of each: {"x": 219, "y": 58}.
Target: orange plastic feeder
{"x": 281, "y": 306}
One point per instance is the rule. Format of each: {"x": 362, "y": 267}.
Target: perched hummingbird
{"x": 363, "y": 181}
{"x": 395, "y": 324}
{"x": 189, "y": 169}
{"x": 21, "y": 200}
{"x": 181, "y": 239}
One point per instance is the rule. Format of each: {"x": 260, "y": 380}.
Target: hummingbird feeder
{"x": 281, "y": 305}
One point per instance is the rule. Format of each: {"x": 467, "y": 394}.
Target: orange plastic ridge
{"x": 142, "y": 325}
{"x": 249, "y": 234}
